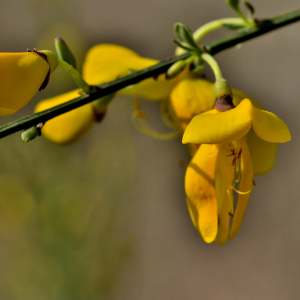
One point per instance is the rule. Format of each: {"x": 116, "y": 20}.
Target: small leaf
{"x": 185, "y": 35}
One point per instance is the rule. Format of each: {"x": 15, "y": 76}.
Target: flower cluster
{"x": 230, "y": 141}
{"x": 235, "y": 145}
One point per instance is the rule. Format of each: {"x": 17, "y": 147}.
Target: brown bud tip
{"x": 224, "y": 103}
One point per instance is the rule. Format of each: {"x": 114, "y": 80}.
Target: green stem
{"x": 76, "y": 76}
{"x": 250, "y": 33}
{"x": 154, "y": 71}
{"x": 213, "y": 64}
{"x": 201, "y": 32}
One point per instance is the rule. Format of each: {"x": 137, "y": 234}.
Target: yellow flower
{"x": 22, "y": 75}
{"x": 192, "y": 97}
{"x": 103, "y": 63}
{"x": 223, "y": 159}
{"x": 71, "y": 126}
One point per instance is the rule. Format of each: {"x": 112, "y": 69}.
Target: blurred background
{"x": 106, "y": 218}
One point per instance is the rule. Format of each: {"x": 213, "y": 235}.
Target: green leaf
{"x": 185, "y": 35}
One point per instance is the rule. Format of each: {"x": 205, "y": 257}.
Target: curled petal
{"x": 200, "y": 191}
{"x": 21, "y": 76}
{"x": 269, "y": 127}
{"x": 69, "y": 127}
{"x": 245, "y": 186}
{"x": 219, "y": 128}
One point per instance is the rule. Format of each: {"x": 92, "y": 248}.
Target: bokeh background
{"x": 106, "y": 218}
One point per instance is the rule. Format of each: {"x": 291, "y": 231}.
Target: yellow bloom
{"x": 223, "y": 159}
{"x": 103, "y": 63}
{"x": 22, "y": 75}
{"x": 192, "y": 96}
{"x": 71, "y": 126}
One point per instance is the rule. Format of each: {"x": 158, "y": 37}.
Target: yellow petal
{"x": 21, "y": 76}
{"x": 191, "y": 97}
{"x": 69, "y": 127}
{"x": 224, "y": 178}
{"x": 221, "y": 127}
{"x": 107, "y": 62}
{"x": 269, "y": 127}
{"x": 245, "y": 185}
{"x": 263, "y": 154}
{"x": 200, "y": 191}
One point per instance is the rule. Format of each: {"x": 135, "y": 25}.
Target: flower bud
{"x": 222, "y": 95}
{"x": 31, "y": 133}
{"x": 64, "y": 52}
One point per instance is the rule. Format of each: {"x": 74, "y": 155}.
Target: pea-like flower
{"x": 222, "y": 160}
{"x": 22, "y": 75}
{"x": 192, "y": 96}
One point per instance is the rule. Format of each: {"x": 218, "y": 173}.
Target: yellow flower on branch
{"x": 107, "y": 62}
{"x": 69, "y": 127}
{"x": 22, "y": 75}
{"x": 104, "y": 63}
{"x": 222, "y": 160}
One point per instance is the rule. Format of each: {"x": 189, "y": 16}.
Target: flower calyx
{"x": 222, "y": 95}
{"x": 51, "y": 58}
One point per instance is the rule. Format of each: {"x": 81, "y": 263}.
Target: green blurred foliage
{"x": 59, "y": 216}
